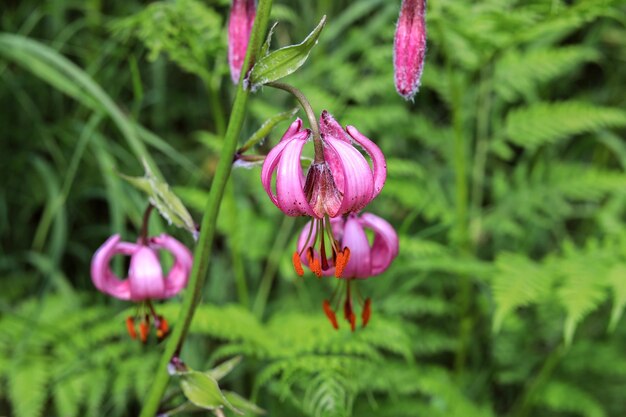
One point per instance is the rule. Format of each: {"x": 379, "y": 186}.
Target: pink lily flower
{"x": 145, "y": 280}
{"x": 338, "y": 183}
{"x": 409, "y": 47}
{"x": 242, "y": 14}
{"x": 361, "y": 261}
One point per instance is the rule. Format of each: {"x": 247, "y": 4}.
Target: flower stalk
{"x": 209, "y": 219}
{"x": 310, "y": 114}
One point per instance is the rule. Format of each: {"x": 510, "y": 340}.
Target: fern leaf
{"x": 27, "y": 388}
{"x": 520, "y": 74}
{"x": 548, "y": 123}
{"x": 518, "y": 282}
{"x": 564, "y": 397}
{"x": 617, "y": 281}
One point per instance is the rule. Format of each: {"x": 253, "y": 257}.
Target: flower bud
{"x": 242, "y": 15}
{"x": 409, "y": 47}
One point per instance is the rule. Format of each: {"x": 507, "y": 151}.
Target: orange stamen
{"x": 367, "y": 312}
{"x": 163, "y": 328}
{"x": 144, "y": 329}
{"x": 330, "y": 314}
{"x": 130, "y": 327}
{"x": 297, "y": 264}
{"x": 342, "y": 260}
{"x": 314, "y": 263}
{"x": 352, "y": 320}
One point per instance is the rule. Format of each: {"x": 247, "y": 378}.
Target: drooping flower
{"x": 409, "y": 47}
{"x": 364, "y": 259}
{"x": 338, "y": 182}
{"x": 146, "y": 280}
{"x": 242, "y": 14}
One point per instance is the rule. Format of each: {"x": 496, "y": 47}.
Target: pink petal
{"x": 275, "y": 156}
{"x": 290, "y": 180}
{"x": 240, "y": 23}
{"x": 103, "y": 278}
{"x": 385, "y": 246}
{"x": 378, "y": 159}
{"x": 330, "y": 127}
{"x": 358, "y": 184}
{"x": 178, "y": 276}
{"x": 354, "y": 237}
{"x": 409, "y": 47}
{"x": 145, "y": 275}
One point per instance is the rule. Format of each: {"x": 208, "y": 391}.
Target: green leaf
{"x": 241, "y": 403}
{"x": 224, "y": 369}
{"x": 203, "y": 391}
{"x": 284, "y": 61}
{"x": 161, "y": 197}
{"x": 266, "y": 128}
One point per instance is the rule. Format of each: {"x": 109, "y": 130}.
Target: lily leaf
{"x": 167, "y": 203}
{"x": 203, "y": 391}
{"x": 241, "y": 403}
{"x": 284, "y": 61}
{"x": 223, "y": 369}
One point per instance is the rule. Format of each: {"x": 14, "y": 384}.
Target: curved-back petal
{"x": 378, "y": 159}
{"x": 290, "y": 196}
{"x": 103, "y": 278}
{"x": 145, "y": 275}
{"x": 178, "y": 276}
{"x": 385, "y": 246}
{"x": 351, "y": 167}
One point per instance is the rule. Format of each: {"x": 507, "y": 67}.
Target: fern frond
{"x": 549, "y": 123}
{"x": 520, "y": 74}
{"x": 560, "y": 396}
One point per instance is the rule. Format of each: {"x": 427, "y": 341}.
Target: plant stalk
{"x": 310, "y": 114}
{"x": 207, "y": 232}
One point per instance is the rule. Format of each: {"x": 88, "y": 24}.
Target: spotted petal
{"x": 352, "y": 175}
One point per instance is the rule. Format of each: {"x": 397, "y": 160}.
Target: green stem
{"x": 460, "y": 236}
{"x": 310, "y": 114}
{"x": 525, "y": 401}
{"x": 272, "y": 265}
{"x": 207, "y": 231}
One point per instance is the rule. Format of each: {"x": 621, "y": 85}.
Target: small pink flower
{"x": 240, "y": 23}
{"x": 145, "y": 281}
{"x": 409, "y": 47}
{"x": 357, "y": 260}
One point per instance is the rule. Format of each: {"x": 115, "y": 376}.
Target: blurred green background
{"x": 506, "y": 184}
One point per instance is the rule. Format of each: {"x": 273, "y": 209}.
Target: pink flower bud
{"x": 242, "y": 15}
{"x": 409, "y": 47}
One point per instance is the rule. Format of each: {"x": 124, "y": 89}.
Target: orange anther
{"x": 330, "y": 314}
{"x": 352, "y": 320}
{"x": 297, "y": 264}
{"x": 144, "y": 329}
{"x": 164, "y": 326}
{"x": 367, "y": 312}
{"x": 314, "y": 263}
{"x": 342, "y": 260}
{"x": 130, "y": 327}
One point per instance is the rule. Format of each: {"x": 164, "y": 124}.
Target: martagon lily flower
{"x": 242, "y": 14}
{"x": 145, "y": 281}
{"x": 366, "y": 260}
{"x": 409, "y": 47}
{"x": 339, "y": 181}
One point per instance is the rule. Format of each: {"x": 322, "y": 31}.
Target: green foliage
{"x": 521, "y": 314}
